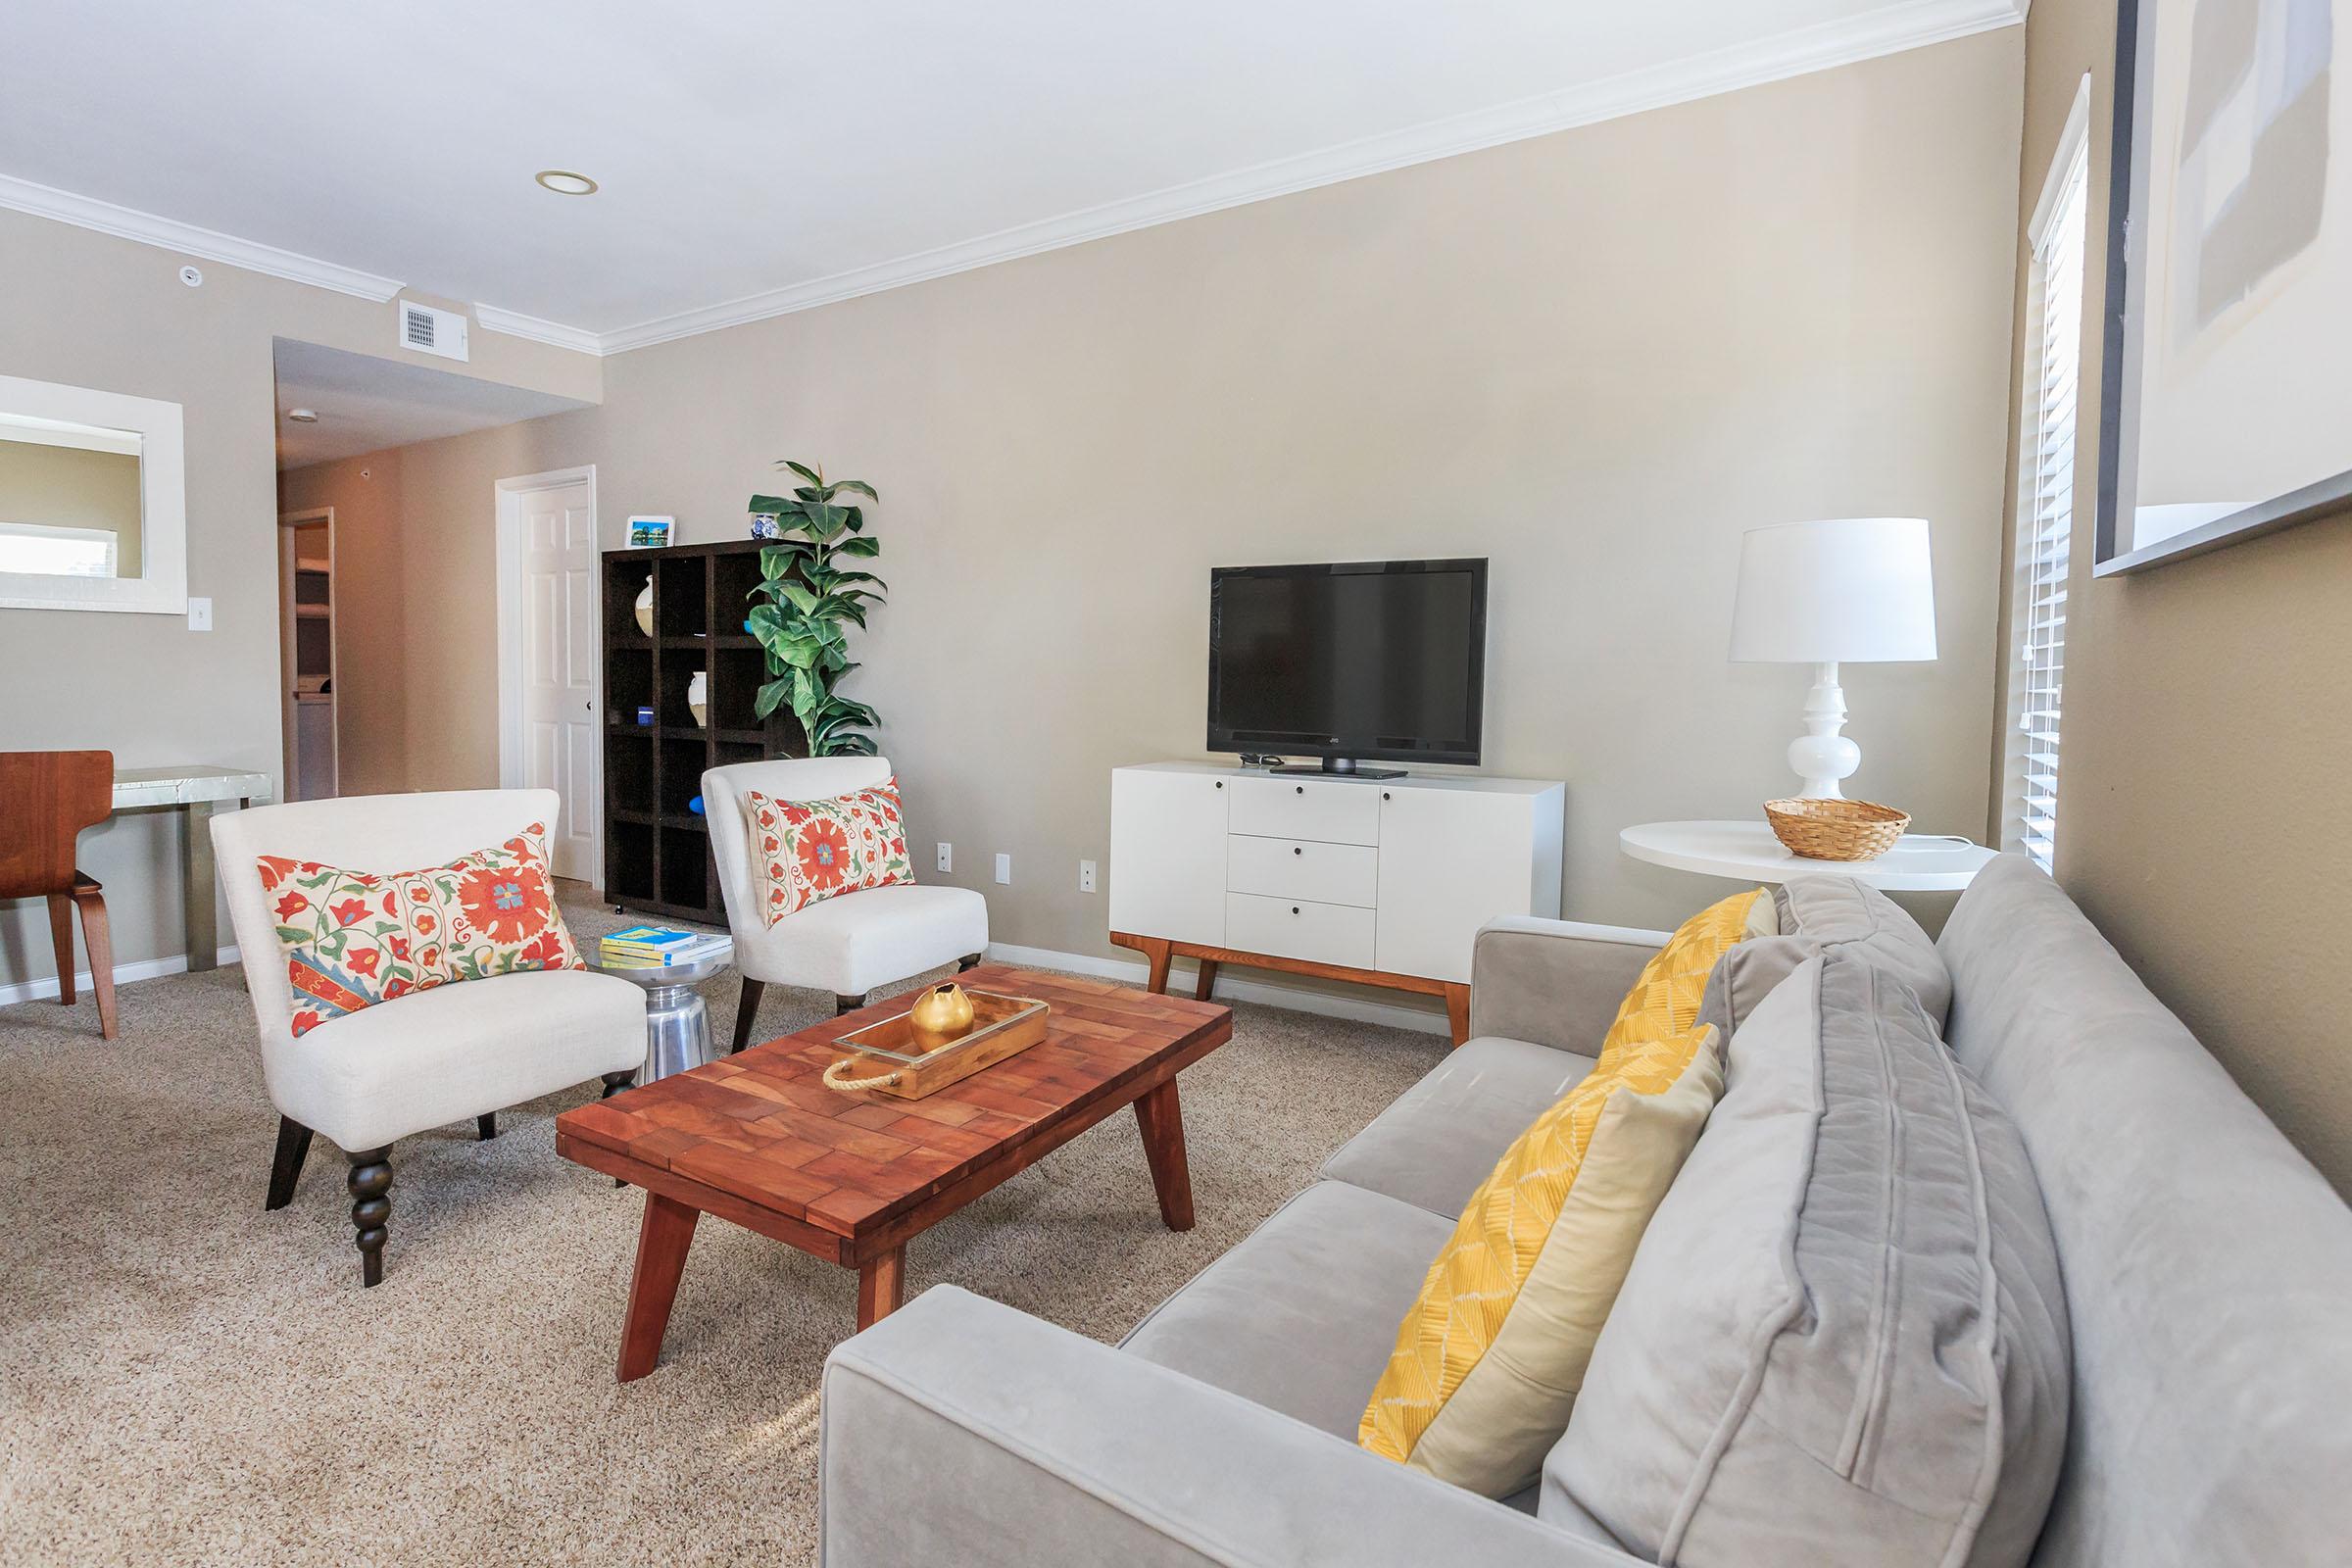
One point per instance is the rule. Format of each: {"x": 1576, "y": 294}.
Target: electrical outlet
{"x": 947, "y": 856}
{"x": 1086, "y": 876}
{"x": 200, "y": 615}
{"x": 1005, "y": 868}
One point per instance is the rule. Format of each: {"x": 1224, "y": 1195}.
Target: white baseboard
{"x": 124, "y": 974}
{"x": 1429, "y": 1021}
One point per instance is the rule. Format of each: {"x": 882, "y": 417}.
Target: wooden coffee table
{"x": 757, "y": 1139}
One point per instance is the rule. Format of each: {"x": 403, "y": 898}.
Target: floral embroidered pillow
{"x": 352, "y": 939}
{"x": 803, "y": 850}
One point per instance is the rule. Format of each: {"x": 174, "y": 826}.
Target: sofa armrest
{"x": 961, "y": 1431}
{"x": 1554, "y": 982}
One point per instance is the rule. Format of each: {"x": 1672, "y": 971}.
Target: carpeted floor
{"x": 185, "y": 1379}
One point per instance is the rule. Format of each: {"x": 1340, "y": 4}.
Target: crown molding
{"x": 1824, "y": 46}
{"x": 513, "y": 324}
{"x": 169, "y": 233}
{"x": 1800, "y": 52}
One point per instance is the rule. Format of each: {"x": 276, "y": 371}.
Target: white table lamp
{"x": 1855, "y": 590}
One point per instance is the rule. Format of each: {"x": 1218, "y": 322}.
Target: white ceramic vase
{"x": 645, "y": 607}
{"x": 698, "y": 697}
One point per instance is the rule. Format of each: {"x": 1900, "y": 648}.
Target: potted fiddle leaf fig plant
{"x": 805, "y": 601}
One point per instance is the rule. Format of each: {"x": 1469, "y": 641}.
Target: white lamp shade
{"x": 1853, "y": 590}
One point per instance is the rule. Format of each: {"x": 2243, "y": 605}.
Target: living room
{"x": 1101, "y": 329}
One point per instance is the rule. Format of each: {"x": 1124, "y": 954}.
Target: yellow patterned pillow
{"x": 1490, "y": 1359}
{"x": 1664, "y": 1002}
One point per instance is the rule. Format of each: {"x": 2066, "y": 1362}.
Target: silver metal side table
{"x": 678, "y": 1021}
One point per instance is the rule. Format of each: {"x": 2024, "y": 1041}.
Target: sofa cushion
{"x": 1441, "y": 1138}
{"x": 1489, "y": 1356}
{"x": 1301, "y": 1316}
{"x": 1839, "y": 911}
{"x": 1842, "y": 1340}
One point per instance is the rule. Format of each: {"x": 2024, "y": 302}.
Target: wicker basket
{"x": 1836, "y": 831}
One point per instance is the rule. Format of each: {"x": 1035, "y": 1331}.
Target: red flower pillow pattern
{"x": 803, "y": 850}
{"x": 352, "y": 939}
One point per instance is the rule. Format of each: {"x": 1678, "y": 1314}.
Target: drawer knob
{"x": 1386, "y": 796}
{"x": 1295, "y": 850}
{"x": 1220, "y": 783}
{"x": 1297, "y": 789}
{"x": 1293, "y": 908}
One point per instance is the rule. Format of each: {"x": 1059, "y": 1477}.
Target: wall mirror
{"x": 93, "y": 505}
{"x": 2227, "y": 412}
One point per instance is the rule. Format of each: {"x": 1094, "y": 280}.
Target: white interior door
{"x": 557, "y": 644}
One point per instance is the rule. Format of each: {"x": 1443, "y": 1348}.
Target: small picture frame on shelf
{"x": 651, "y": 533}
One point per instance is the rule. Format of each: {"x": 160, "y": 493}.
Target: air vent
{"x": 431, "y": 331}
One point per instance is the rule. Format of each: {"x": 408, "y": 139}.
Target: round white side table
{"x": 1747, "y": 852}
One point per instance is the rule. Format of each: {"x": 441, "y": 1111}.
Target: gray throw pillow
{"x": 1842, "y": 1340}
{"x": 1837, "y": 910}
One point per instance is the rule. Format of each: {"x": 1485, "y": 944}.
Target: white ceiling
{"x": 757, "y": 156}
{"x": 366, "y": 404}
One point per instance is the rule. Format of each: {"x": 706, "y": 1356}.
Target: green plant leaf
{"x": 773, "y": 504}
{"x": 803, "y": 599}
{"x": 865, "y": 544}
{"x": 806, "y": 473}
{"x": 859, "y": 486}
{"x": 772, "y": 696}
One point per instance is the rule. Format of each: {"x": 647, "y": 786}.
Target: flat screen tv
{"x": 1370, "y": 660}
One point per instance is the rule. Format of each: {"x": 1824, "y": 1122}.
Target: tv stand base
{"x": 1158, "y": 951}
{"x": 1343, "y": 766}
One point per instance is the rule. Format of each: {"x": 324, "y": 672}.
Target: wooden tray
{"x": 887, "y": 1058}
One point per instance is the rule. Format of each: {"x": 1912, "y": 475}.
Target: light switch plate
{"x": 947, "y": 856}
{"x": 200, "y": 615}
{"x": 1005, "y": 868}
{"x": 1086, "y": 876}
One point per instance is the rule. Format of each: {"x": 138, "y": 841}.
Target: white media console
{"x": 1381, "y": 881}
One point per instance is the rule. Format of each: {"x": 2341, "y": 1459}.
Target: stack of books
{"x": 653, "y": 947}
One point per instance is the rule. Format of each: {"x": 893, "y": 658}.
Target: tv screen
{"x": 1381, "y": 660}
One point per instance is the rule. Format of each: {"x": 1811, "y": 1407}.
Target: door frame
{"x": 290, "y": 761}
{"x": 510, "y": 495}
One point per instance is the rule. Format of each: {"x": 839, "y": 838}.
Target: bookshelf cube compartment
{"x": 629, "y": 861}
{"x": 686, "y": 876}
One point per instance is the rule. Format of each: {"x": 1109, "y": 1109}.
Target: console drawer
{"x": 1322, "y": 809}
{"x": 1303, "y": 868}
{"x": 1319, "y": 933}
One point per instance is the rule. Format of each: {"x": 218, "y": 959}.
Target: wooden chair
{"x": 47, "y": 799}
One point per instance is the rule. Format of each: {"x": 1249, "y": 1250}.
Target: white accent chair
{"x": 847, "y": 944}
{"x": 455, "y": 1053}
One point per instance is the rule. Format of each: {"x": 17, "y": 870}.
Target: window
{"x": 34, "y": 547}
{"x": 2045, "y": 500}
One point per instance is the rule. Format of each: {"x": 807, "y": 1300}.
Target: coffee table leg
{"x": 1162, "y": 1119}
{"x": 881, "y": 1286}
{"x": 662, "y": 1242}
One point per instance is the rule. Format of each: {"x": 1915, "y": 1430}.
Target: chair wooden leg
{"x": 485, "y": 1126}
{"x": 747, "y": 1011}
{"x": 61, "y": 936}
{"x": 842, "y": 1004}
{"x": 969, "y": 961}
{"x": 370, "y": 1183}
{"x": 615, "y": 1082}
{"x": 293, "y": 1148}
{"x": 92, "y": 902}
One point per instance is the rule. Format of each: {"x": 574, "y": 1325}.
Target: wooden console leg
{"x": 881, "y": 1286}
{"x": 662, "y": 1242}
{"x": 1162, "y": 1119}
{"x": 1457, "y": 1013}
{"x": 1157, "y": 950}
{"x": 1206, "y": 981}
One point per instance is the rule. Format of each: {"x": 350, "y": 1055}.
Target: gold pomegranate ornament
{"x": 938, "y": 1015}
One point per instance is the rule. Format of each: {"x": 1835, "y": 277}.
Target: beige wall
{"x": 74, "y": 487}
{"x": 93, "y": 311}
{"x": 2206, "y": 731}
{"x": 1596, "y": 357}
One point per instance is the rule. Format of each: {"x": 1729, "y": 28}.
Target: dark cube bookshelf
{"x": 657, "y": 848}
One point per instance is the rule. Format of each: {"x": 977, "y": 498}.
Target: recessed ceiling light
{"x": 302, "y": 416}
{"x": 563, "y": 183}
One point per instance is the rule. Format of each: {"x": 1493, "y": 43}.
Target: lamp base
{"x": 1822, "y": 757}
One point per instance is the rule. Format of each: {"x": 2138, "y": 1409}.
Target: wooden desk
{"x": 192, "y": 792}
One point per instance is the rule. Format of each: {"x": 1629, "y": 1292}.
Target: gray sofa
{"x": 2207, "y": 1272}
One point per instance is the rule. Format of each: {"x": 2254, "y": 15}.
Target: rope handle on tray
{"x": 849, "y": 1064}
